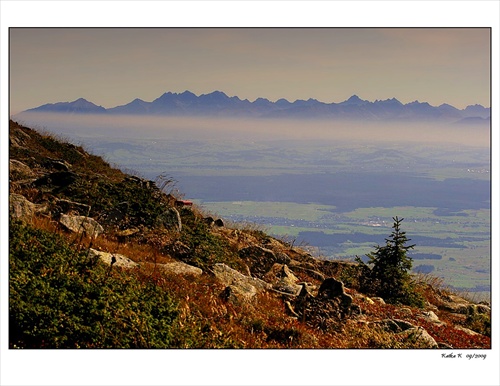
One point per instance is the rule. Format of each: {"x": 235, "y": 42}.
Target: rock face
{"x": 113, "y": 259}
{"x": 79, "y": 224}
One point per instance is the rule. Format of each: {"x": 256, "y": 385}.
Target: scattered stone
{"x": 466, "y": 330}
{"x": 114, "y": 259}
{"x": 378, "y": 300}
{"x": 71, "y": 207}
{"x": 239, "y": 294}
{"x": 179, "y": 250}
{"x": 419, "y": 337}
{"x": 311, "y": 272}
{"x": 363, "y": 299}
{"x": 229, "y": 276}
{"x": 260, "y": 260}
{"x": 395, "y": 325}
{"x": 180, "y": 268}
{"x": 20, "y": 208}
{"x": 283, "y": 279}
{"x": 430, "y": 316}
{"x": 406, "y": 311}
{"x": 79, "y": 224}
{"x": 125, "y": 235}
{"x": 18, "y": 170}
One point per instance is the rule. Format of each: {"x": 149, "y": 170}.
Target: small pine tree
{"x": 389, "y": 276}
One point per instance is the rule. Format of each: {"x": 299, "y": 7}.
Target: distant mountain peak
{"x": 354, "y": 100}
{"x": 218, "y": 103}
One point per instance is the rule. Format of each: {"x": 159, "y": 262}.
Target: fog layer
{"x": 188, "y": 128}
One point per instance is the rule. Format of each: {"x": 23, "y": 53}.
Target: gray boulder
{"x": 240, "y": 288}
{"x": 81, "y": 224}
{"x": 20, "y": 208}
{"x": 180, "y": 268}
{"x": 19, "y": 171}
{"x": 240, "y": 294}
{"x": 229, "y": 276}
{"x": 114, "y": 259}
{"x": 419, "y": 338}
{"x": 283, "y": 279}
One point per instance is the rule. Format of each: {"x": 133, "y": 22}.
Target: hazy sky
{"x": 112, "y": 66}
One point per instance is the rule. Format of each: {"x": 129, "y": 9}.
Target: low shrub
{"x": 63, "y": 299}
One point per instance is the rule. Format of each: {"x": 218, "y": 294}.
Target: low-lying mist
{"x": 247, "y": 129}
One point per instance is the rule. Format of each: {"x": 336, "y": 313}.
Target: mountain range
{"x": 219, "y": 104}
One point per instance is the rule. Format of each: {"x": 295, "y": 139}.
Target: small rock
{"x": 420, "y": 337}
{"x": 180, "y": 268}
{"x": 466, "y": 330}
{"x": 239, "y": 294}
{"x": 113, "y": 259}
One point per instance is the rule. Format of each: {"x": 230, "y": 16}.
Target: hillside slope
{"x": 100, "y": 258}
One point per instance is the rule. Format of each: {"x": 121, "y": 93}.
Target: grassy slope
{"x": 50, "y": 282}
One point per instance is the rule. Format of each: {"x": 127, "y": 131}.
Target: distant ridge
{"x": 219, "y": 104}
